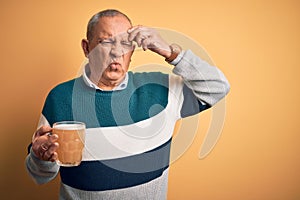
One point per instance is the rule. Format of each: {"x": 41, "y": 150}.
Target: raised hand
{"x": 149, "y": 38}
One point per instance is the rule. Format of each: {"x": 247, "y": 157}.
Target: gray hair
{"x": 94, "y": 20}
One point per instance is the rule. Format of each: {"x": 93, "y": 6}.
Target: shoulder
{"x": 64, "y": 86}
{"x": 58, "y": 104}
{"x": 63, "y": 90}
{"x": 143, "y": 78}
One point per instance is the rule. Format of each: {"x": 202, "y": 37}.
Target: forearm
{"x": 41, "y": 171}
{"x": 208, "y": 83}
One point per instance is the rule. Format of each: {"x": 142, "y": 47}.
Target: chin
{"x": 115, "y": 76}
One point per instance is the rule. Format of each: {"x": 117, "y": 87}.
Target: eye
{"x": 126, "y": 43}
{"x": 105, "y": 42}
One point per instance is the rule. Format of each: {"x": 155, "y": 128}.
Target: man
{"x": 129, "y": 116}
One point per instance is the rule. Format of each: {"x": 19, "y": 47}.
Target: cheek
{"x": 126, "y": 63}
{"x": 98, "y": 60}
{"x": 104, "y": 54}
{"x": 127, "y": 57}
{"x": 99, "y": 54}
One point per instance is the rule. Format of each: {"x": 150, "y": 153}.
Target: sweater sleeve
{"x": 207, "y": 83}
{"x": 41, "y": 171}
{"x": 203, "y": 85}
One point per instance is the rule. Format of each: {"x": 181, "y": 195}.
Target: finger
{"x": 52, "y": 138}
{"x": 53, "y": 148}
{"x": 53, "y": 157}
{"x": 132, "y": 36}
{"x": 50, "y": 151}
{"x": 43, "y": 130}
{"x": 42, "y": 143}
{"x": 134, "y": 32}
{"x": 41, "y": 151}
{"x": 146, "y": 44}
{"x": 133, "y": 28}
{"x": 139, "y": 38}
{"x": 43, "y": 147}
{"x": 46, "y": 155}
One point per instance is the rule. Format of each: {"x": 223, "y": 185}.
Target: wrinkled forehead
{"x": 108, "y": 27}
{"x": 124, "y": 36}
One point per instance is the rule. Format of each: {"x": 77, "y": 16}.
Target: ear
{"x": 85, "y": 47}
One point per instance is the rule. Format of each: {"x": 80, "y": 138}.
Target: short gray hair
{"x": 94, "y": 20}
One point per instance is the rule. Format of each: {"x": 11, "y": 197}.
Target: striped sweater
{"x": 129, "y": 131}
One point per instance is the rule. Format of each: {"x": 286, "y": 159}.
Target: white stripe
{"x": 176, "y": 97}
{"x": 155, "y": 189}
{"x": 42, "y": 122}
{"x": 117, "y": 142}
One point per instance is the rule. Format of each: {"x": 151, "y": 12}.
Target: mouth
{"x": 114, "y": 66}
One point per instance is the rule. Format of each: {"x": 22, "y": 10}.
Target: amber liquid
{"x": 71, "y": 144}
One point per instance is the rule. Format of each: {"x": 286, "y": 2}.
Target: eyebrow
{"x": 122, "y": 38}
{"x": 109, "y": 38}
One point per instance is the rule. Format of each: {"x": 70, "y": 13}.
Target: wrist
{"x": 175, "y": 51}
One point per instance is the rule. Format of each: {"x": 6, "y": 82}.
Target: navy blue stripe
{"x": 191, "y": 105}
{"x": 118, "y": 173}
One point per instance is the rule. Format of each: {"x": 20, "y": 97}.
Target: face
{"x": 109, "y": 50}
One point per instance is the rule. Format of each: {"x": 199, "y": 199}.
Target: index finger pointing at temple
{"x": 133, "y": 32}
{"x": 133, "y": 28}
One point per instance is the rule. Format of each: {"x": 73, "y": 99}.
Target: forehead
{"x": 111, "y": 26}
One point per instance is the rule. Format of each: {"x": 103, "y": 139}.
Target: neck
{"x": 108, "y": 85}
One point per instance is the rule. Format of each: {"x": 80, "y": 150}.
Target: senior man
{"x": 129, "y": 116}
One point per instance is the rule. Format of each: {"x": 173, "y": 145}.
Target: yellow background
{"x": 255, "y": 43}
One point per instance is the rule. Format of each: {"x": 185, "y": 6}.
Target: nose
{"x": 116, "y": 50}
